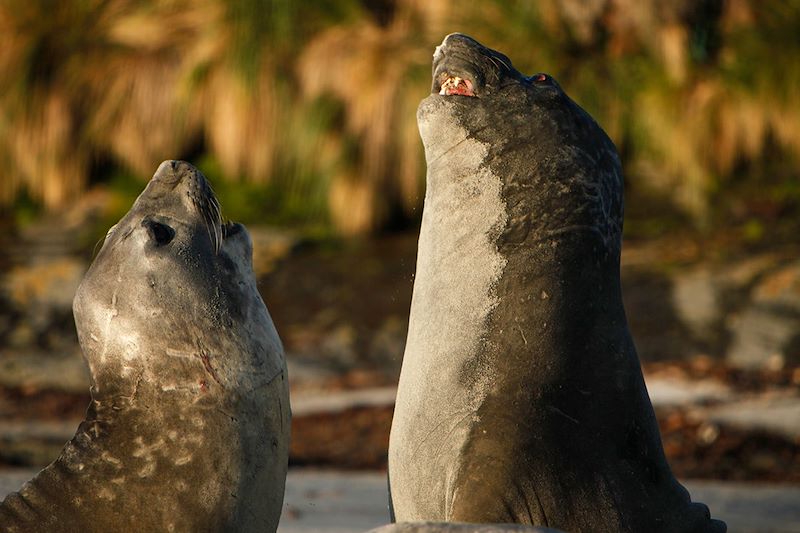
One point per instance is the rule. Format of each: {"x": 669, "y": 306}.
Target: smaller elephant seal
{"x": 521, "y": 398}
{"x": 188, "y": 425}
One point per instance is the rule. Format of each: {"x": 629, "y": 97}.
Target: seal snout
{"x": 173, "y": 171}
{"x": 459, "y": 39}
{"x": 454, "y": 71}
{"x": 180, "y": 179}
{"x": 462, "y": 66}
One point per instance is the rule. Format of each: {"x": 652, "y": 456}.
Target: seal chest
{"x": 521, "y": 398}
{"x": 188, "y": 427}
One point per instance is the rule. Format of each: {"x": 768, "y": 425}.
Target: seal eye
{"x": 162, "y": 233}
{"x": 540, "y": 78}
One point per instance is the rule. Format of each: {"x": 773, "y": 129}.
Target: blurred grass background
{"x": 303, "y": 114}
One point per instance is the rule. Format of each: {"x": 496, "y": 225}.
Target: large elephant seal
{"x": 188, "y": 426}
{"x": 521, "y": 398}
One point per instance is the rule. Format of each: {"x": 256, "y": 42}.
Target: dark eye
{"x": 161, "y": 233}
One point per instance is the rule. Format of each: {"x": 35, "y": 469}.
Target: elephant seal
{"x": 521, "y": 398}
{"x": 188, "y": 425}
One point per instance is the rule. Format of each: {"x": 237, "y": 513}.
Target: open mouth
{"x": 456, "y": 85}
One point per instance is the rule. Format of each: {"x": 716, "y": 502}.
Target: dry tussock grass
{"x": 139, "y": 82}
{"x": 374, "y": 71}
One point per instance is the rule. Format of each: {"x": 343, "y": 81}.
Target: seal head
{"x": 521, "y": 398}
{"x": 533, "y": 133}
{"x": 188, "y": 426}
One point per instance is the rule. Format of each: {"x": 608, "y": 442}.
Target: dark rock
{"x": 767, "y": 332}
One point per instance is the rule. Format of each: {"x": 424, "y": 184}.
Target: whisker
{"x": 502, "y": 61}
{"x": 212, "y": 235}
{"x": 103, "y": 240}
{"x": 94, "y": 250}
{"x": 209, "y": 208}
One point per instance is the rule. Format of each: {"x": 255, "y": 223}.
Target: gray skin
{"x": 521, "y": 397}
{"x": 188, "y": 427}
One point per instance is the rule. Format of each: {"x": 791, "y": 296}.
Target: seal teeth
{"x": 449, "y": 83}
{"x": 456, "y": 85}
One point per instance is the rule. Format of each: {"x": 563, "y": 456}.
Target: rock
{"x": 34, "y": 442}
{"x": 778, "y": 414}
{"x": 744, "y": 273}
{"x": 66, "y": 232}
{"x": 781, "y": 288}
{"x": 12, "y": 480}
{"x": 387, "y": 345}
{"x": 657, "y": 331}
{"x": 332, "y": 402}
{"x": 671, "y": 392}
{"x": 270, "y": 245}
{"x": 454, "y": 527}
{"x": 765, "y": 337}
{"x": 767, "y": 333}
{"x": 707, "y": 299}
{"x": 339, "y": 344}
{"x": 750, "y": 507}
{"x": 41, "y": 371}
{"x": 695, "y": 298}
{"x": 308, "y": 373}
{"x": 50, "y": 285}
{"x": 40, "y": 297}
{"x": 747, "y": 310}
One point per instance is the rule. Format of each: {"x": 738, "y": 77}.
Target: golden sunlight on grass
{"x": 320, "y": 101}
